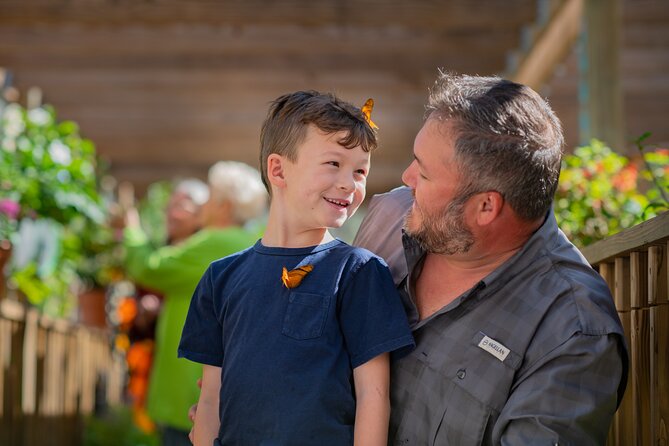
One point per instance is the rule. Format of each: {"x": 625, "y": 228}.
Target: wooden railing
{"x": 634, "y": 264}
{"x": 52, "y": 374}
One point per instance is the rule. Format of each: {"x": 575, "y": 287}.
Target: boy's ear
{"x": 275, "y": 170}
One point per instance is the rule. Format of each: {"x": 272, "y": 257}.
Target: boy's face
{"x": 326, "y": 184}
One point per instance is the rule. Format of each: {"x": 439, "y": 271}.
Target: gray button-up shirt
{"x": 533, "y": 354}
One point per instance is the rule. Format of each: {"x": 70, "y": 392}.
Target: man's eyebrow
{"x": 420, "y": 163}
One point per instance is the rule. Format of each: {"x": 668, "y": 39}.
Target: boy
{"x": 295, "y": 332}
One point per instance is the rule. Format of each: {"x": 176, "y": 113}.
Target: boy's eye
{"x": 362, "y": 172}
{"x": 333, "y": 163}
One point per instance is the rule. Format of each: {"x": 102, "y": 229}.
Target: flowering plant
{"x": 50, "y": 206}
{"x": 9, "y": 212}
{"x": 601, "y": 192}
{"x": 46, "y": 167}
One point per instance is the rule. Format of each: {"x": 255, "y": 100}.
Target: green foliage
{"x": 116, "y": 428}
{"x": 47, "y": 166}
{"x": 49, "y": 174}
{"x": 152, "y": 211}
{"x": 601, "y": 193}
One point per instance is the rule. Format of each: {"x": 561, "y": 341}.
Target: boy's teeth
{"x": 337, "y": 202}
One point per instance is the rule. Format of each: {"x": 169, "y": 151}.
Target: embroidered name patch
{"x": 494, "y": 348}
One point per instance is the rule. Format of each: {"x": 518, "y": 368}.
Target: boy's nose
{"x": 346, "y": 182}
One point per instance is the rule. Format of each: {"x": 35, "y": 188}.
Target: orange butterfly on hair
{"x": 367, "y": 113}
{"x": 293, "y": 278}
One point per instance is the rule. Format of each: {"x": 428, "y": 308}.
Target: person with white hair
{"x": 183, "y": 212}
{"x": 236, "y": 195}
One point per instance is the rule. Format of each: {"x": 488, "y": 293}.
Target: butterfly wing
{"x": 293, "y": 278}
{"x": 367, "y": 112}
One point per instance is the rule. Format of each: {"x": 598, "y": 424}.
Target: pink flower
{"x": 10, "y": 208}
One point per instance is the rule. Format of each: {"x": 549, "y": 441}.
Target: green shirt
{"x": 175, "y": 272}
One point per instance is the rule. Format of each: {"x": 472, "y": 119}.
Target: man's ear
{"x": 489, "y": 206}
{"x": 275, "y": 170}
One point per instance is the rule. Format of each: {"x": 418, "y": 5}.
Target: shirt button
{"x": 461, "y": 374}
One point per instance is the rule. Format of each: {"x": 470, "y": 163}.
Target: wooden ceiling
{"x": 167, "y": 87}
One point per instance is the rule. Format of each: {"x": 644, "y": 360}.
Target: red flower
{"x": 626, "y": 179}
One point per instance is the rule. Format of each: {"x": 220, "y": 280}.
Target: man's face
{"x": 437, "y": 218}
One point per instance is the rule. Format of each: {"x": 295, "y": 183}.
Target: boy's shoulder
{"x": 358, "y": 255}
{"x": 231, "y": 259}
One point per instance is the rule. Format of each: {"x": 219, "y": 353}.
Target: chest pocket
{"x": 479, "y": 385}
{"x": 306, "y": 314}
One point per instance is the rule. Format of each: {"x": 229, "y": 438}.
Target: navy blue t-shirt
{"x": 287, "y": 355}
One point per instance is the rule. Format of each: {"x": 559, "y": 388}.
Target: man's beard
{"x": 444, "y": 232}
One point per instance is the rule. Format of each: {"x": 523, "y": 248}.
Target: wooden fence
{"x": 52, "y": 374}
{"x": 634, "y": 264}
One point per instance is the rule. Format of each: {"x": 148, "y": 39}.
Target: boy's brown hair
{"x": 289, "y": 115}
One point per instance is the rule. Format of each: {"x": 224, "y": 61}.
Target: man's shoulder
{"x": 396, "y": 201}
{"x": 381, "y": 229}
{"x": 590, "y": 298}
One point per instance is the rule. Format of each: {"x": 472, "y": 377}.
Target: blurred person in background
{"x": 236, "y": 195}
{"x": 138, "y": 314}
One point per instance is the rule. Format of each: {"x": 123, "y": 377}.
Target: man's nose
{"x": 409, "y": 175}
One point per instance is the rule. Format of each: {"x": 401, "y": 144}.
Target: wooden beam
{"x": 652, "y": 232}
{"x": 551, "y": 46}
{"x": 600, "y": 92}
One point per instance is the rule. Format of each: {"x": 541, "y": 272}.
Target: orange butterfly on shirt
{"x": 293, "y": 278}
{"x": 367, "y": 112}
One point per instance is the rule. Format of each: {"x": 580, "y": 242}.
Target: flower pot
{"x": 92, "y": 308}
{"x": 5, "y": 254}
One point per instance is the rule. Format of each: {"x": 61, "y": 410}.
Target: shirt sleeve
{"x": 161, "y": 268}
{"x": 569, "y": 397}
{"x": 201, "y": 338}
{"x": 381, "y": 230}
{"x": 371, "y": 314}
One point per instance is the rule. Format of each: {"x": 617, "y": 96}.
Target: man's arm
{"x": 207, "y": 421}
{"x": 568, "y": 397}
{"x": 372, "y": 380}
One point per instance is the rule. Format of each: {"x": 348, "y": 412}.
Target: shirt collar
{"x": 544, "y": 238}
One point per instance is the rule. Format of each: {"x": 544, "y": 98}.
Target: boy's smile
{"x": 326, "y": 184}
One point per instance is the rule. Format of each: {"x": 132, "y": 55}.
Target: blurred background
{"x": 98, "y": 97}
{"x": 167, "y": 87}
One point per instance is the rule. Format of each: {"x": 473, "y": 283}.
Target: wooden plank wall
{"x": 51, "y": 376}
{"x": 167, "y": 87}
{"x": 638, "y": 280}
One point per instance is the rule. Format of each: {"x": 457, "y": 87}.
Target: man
{"x": 236, "y": 196}
{"x": 518, "y": 341}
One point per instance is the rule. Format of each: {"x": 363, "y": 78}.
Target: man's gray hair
{"x": 507, "y": 139}
{"x": 241, "y": 185}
